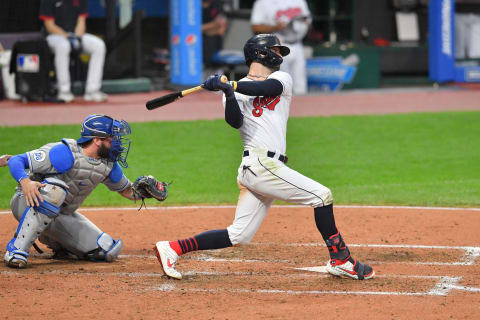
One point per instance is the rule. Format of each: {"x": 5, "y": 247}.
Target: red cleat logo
{"x": 169, "y": 264}
{"x": 353, "y": 273}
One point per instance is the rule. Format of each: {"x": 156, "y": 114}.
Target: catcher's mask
{"x": 258, "y": 48}
{"x": 102, "y": 126}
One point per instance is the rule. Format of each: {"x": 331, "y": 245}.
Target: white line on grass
{"x": 93, "y": 209}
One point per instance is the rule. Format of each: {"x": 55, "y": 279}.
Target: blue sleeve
{"x": 17, "y": 165}
{"x": 61, "y": 158}
{"x": 116, "y": 174}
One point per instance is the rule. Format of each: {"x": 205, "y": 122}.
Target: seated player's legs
{"x": 95, "y": 47}
{"x": 61, "y": 49}
{"x": 250, "y": 212}
{"x": 33, "y": 221}
{"x": 81, "y": 237}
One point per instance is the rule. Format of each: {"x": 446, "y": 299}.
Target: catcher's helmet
{"x": 102, "y": 126}
{"x": 258, "y": 47}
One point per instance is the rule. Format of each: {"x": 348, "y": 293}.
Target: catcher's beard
{"x": 104, "y": 151}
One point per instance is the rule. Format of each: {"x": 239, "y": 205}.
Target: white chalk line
{"x": 444, "y": 285}
{"x": 470, "y": 254}
{"x": 93, "y": 209}
{"x": 442, "y": 288}
{"x": 468, "y": 259}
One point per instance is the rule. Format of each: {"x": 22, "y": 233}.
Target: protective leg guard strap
{"x": 14, "y": 251}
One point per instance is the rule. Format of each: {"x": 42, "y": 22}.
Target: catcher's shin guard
{"x": 34, "y": 221}
{"x": 108, "y": 249}
{"x": 341, "y": 263}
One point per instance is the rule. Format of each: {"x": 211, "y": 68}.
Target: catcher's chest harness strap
{"x": 270, "y": 154}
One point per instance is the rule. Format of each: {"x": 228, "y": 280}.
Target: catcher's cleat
{"x": 15, "y": 260}
{"x": 167, "y": 258}
{"x": 350, "y": 268}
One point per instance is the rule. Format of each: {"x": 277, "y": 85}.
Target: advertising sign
{"x": 186, "y": 42}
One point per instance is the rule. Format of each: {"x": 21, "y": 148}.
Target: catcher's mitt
{"x": 149, "y": 187}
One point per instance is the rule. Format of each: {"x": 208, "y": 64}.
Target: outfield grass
{"x": 428, "y": 159}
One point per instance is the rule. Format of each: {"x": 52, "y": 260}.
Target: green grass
{"x": 430, "y": 159}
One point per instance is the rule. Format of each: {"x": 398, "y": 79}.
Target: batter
{"x": 259, "y": 109}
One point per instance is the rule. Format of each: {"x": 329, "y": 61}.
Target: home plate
{"x": 321, "y": 269}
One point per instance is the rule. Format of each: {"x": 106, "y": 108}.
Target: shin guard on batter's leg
{"x": 341, "y": 263}
{"x": 34, "y": 221}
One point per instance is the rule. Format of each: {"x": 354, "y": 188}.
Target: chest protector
{"x": 83, "y": 177}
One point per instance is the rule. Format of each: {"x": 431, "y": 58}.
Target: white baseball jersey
{"x": 265, "y": 118}
{"x": 296, "y": 15}
{"x": 272, "y": 12}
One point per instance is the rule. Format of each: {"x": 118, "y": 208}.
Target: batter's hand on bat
{"x": 4, "y": 160}
{"x": 217, "y": 82}
{"x": 31, "y": 192}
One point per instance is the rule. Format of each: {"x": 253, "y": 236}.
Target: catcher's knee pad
{"x": 108, "y": 248}
{"x": 54, "y": 194}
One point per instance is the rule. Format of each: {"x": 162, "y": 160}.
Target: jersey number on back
{"x": 264, "y": 102}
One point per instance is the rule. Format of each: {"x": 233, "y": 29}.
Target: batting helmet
{"x": 102, "y": 126}
{"x": 258, "y": 48}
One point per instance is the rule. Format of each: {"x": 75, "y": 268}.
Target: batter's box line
{"x": 468, "y": 259}
{"x": 442, "y": 288}
{"x": 470, "y": 253}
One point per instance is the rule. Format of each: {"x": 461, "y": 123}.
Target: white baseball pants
{"x": 91, "y": 45}
{"x": 467, "y": 36}
{"x": 262, "y": 180}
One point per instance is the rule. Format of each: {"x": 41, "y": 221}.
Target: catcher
{"x": 55, "y": 179}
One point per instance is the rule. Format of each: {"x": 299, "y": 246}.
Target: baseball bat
{"x": 171, "y": 97}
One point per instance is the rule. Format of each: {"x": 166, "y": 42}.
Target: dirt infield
{"x": 426, "y": 262}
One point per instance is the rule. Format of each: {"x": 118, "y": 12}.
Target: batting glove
{"x": 213, "y": 83}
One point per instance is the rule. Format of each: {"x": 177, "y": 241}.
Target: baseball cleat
{"x": 350, "y": 268}
{"x": 167, "y": 258}
{"x": 15, "y": 260}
